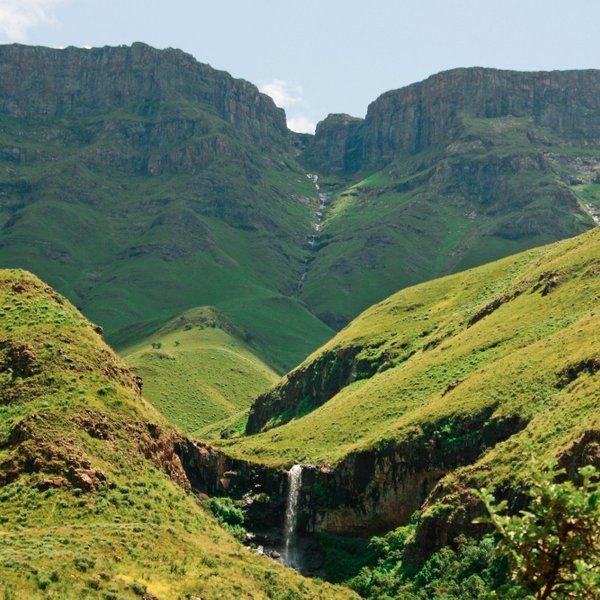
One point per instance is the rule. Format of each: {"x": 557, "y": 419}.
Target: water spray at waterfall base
{"x": 294, "y": 482}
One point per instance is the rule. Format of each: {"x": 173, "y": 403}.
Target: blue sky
{"x": 317, "y": 57}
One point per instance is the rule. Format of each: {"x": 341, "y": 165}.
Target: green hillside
{"x": 494, "y": 187}
{"x": 94, "y": 499}
{"x": 198, "y": 369}
{"x": 510, "y": 350}
{"x": 158, "y": 184}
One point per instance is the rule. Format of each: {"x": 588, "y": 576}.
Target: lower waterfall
{"x": 294, "y": 481}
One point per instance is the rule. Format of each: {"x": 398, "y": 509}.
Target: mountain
{"x": 142, "y": 183}
{"x": 463, "y": 168}
{"x": 441, "y": 388}
{"x": 95, "y": 499}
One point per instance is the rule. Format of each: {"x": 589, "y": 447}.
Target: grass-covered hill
{"x": 444, "y": 386}
{"x": 199, "y": 369}
{"x": 94, "y": 502}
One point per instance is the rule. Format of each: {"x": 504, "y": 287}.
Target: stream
{"x": 312, "y": 239}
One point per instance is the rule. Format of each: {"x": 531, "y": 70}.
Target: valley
{"x": 325, "y": 346}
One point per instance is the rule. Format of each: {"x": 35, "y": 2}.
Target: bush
{"x": 554, "y": 547}
{"x": 228, "y": 514}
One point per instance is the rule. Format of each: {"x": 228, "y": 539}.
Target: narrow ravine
{"x": 312, "y": 239}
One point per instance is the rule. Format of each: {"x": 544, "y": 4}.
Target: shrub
{"x": 228, "y": 514}
{"x": 554, "y": 547}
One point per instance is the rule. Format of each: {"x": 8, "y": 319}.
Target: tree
{"x": 554, "y": 547}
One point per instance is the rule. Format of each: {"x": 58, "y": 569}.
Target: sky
{"x": 316, "y": 57}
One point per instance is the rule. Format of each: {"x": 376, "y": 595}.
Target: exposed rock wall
{"x": 39, "y": 83}
{"x": 213, "y": 473}
{"x": 309, "y": 386}
{"x": 336, "y": 146}
{"x": 368, "y": 492}
{"x": 422, "y": 115}
{"x": 377, "y": 490}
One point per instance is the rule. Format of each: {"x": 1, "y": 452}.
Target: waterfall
{"x": 291, "y": 516}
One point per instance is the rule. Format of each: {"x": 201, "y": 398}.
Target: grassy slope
{"x": 203, "y": 371}
{"x": 133, "y": 250}
{"x": 111, "y": 520}
{"x": 501, "y": 187}
{"x": 527, "y": 358}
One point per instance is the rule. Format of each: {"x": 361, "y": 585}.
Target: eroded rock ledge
{"x": 368, "y": 492}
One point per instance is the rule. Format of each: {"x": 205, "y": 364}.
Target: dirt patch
{"x": 19, "y": 359}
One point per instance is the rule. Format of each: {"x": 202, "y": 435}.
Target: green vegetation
{"x": 554, "y": 546}
{"x": 141, "y": 212}
{"x": 550, "y": 550}
{"x": 228, "y": 514}
{"x": 133, "y": 246}
{"x": 198, "y": 369}
{"x": 93, "y": 497}
{"x": 469, "y": 571}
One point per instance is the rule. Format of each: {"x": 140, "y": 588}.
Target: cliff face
{"x": 419, "y": 116}
{"x": 41, "y": 83}
{"x": 337, "y": 144}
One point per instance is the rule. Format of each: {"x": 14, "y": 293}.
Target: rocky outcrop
{"x": 336, "y": 146}
{"x": 366, "y": 493}
{"x": 311, "y": 385}
{"x": 453, "y": 509}
{"x": 425, "y": 114}
{"x": 376, "y": 490}
{"x": 214, "y": 473}
{"x": 42, "y": 83}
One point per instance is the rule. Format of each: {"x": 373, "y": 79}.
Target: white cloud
{"x": 301, "y": 124}
{"x": 17, "y": 17}
{"x": 284, "y": 93}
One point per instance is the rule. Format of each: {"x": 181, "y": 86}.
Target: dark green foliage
{"x": 344, "y": 558}
{"x": 554, "y": 547}
{"x": 138, "y": 589}
{"x": 228, "y": 513}
{"x": 549, "y": 551}
{"x": 470, "y": 571}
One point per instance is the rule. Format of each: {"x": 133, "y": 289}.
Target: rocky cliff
{"x": 422, "y": 115}
{"x": 43, "y": 83}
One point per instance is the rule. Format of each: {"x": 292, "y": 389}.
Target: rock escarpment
{"x": 425, "y": 114}
{"x": 309, "y": 386}
{"x": 148, "y": 159}
{"x": 44, "y": 83}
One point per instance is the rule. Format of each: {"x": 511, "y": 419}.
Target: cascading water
{"x": 312, "y": 239}
{"x": 291, "y": 516}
